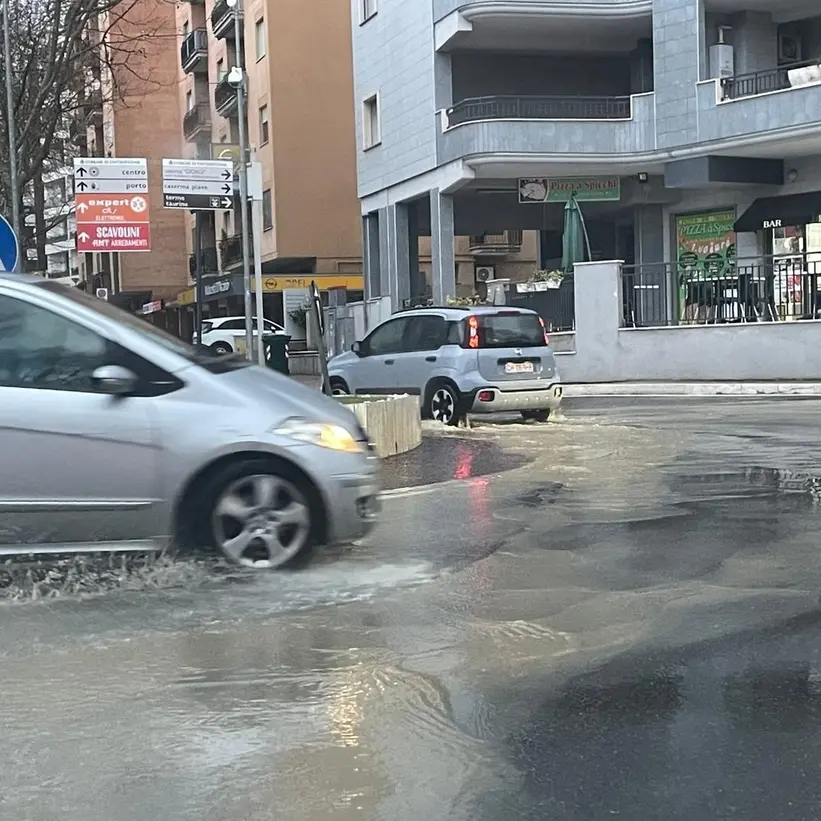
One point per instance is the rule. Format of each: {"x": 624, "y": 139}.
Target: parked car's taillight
{"x": 473, "y": 332}
{"x": 544, "y": 330}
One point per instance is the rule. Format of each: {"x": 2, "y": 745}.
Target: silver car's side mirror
{"x": 115, "y": 380}
{"x": 357, "y": 348}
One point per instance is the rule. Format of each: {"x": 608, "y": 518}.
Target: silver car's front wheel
{"x": 261, "y": 521}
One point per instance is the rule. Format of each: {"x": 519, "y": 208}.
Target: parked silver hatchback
{"x": 459, "y": 360}
{"x": 117, "y": 436}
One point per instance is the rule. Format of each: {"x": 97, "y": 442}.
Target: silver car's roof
{"x": 459, "y": 312}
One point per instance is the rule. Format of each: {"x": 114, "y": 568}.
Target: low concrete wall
{"x": 393, "y": 422}
{"x": 604, "y": 352}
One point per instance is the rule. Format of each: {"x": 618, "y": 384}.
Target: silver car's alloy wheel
{"x": 443, "y": 406}
{"x": 261, "y": 521}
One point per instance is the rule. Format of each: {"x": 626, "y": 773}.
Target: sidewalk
{"x": 695, "y": 389}
{"x": 667, "y": 388}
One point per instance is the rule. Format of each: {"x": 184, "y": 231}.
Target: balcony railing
{"x": 93, "y": 108}
{"x": 196, "y": 121}
{"x": 225, "y": 98}
{"x": 763, "y": 289}
{"x": 231, "y": 251}
{"x": 222, "y": 19}
{"x": 781, "y": 78}
{"x": 539, "y": 108}
{"x": 194, "y": 51}
{"x": 209, "y": 262}
{"x": 508, "y": 242}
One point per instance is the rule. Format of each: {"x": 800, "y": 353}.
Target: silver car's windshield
{"x": 201, "y": 356}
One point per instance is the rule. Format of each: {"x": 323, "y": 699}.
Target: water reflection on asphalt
{"x": 616, "y": 616}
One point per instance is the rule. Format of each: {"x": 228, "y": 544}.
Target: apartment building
{"x": 132, "y": 109}
{"x": 300, "y": 126}
{"x": 686, "y": 129}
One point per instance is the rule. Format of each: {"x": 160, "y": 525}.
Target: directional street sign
{"x": 198, "y": 185}
{"x": 111, "y": 206}
{"x": 9, "y": 248}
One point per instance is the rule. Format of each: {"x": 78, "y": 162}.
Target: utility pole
{"x": 237, "y": 78}
{"x": 12, "y": 129}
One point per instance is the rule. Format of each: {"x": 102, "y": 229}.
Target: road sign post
{"x": 198, "y": 185}
{"x": 9, "y": 248}
{"x": 111, "y": 204}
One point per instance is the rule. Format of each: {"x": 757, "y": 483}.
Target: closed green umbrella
{"x": 574, "y": 238}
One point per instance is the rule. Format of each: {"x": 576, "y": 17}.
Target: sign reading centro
{"x": 585, "y": 189}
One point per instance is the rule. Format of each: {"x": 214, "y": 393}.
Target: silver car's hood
{"x": 286, "y": 397}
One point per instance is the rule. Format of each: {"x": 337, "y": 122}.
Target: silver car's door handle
{"x": 430, "y": 359}
{"x": 389, "y": 362}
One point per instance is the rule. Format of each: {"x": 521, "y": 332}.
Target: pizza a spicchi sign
{"x": 584, "y": 189}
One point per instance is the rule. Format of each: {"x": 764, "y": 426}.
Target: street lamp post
{"x": 12, "y": 128}
{"x": 237, "y": 79}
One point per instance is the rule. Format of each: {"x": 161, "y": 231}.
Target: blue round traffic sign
{"x": 9, "y": 247}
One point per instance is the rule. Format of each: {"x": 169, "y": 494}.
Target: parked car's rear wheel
{"x": 222, "y": 348}
{"x": 536, "y": 415}
{"x": 339, "y": 387}
{"x": 260, "y": 514}
{"x": 443, "y": 404}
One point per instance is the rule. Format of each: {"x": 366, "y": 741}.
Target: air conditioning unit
{"x": 102, "y": 293}
{"x": 485, "y": 272}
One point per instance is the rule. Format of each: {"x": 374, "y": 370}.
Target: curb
{"x": 695, "y": 389}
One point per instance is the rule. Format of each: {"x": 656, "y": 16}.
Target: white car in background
{"x": 221, "y": 333}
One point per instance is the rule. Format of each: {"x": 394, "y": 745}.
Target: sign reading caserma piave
{"x": 585, "y": 189}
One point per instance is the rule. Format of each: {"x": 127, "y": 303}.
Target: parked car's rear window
{"x": 510, "y": 330}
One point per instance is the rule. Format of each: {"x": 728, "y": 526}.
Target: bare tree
{"x": 69, "y": 55}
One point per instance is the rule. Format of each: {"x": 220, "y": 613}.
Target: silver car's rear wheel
{"x": 261, "y": 521}
{"x": 443, "y": 404}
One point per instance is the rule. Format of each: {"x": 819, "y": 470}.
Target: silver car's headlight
{"x": 322, "y": 434}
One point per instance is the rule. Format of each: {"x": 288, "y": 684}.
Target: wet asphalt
{"x": 615, "y": 615}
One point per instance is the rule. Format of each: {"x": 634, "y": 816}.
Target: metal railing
{"x": 505, "y": 243}
{"x": 761, "y": 289}
{"x": 225, "y": 97}
{"x": 193, "y": 48}
{"x": 222, "y": 18}
{"x": 556, "y": 306}
{"x": 196, "y": 119}
{"x": 508, "y": 107}
{"x": 93, "y": 107}
{"x": 760, "y": 82}
{"x": 209, "y": 262}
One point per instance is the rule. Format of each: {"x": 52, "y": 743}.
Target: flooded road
{"x": 616, "y": 615}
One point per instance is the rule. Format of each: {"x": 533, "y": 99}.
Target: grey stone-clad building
{"x": 477, "y": 117}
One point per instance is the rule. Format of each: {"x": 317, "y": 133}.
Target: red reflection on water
{"x": 464, "y": 462}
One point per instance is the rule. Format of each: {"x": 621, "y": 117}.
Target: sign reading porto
{"x": 111, "y": 204}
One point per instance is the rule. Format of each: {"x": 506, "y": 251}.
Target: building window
{"x": 263, "y": 124}
{"x": 267, "y": 211}
{"x": 186, "y": 29}
{"x": 367, "y": 9}
{"x": 220, "y": 70}
{"x": 371, "y": 129}
{"x": 189, "y": 100}
{"x": 259, "y": 38}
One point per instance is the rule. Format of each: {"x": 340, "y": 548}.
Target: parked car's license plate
{"x": 518, "y": 367}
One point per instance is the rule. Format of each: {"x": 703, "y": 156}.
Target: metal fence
{"x": 771, "y": 289}
{"x": 511, "y": 107}
{"x": 768, "y": 80}
{"x": 556, "y": 306}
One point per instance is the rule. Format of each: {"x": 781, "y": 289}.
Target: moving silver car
{"x": 459, "y": 360}
{"x": 117, "y": 436}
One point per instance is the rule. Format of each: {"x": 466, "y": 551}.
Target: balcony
{"x": 781, "y": 78}
{"x": 498, "y": 245}
{"x": 93, "y": 108}
{"x": 539, "y": 108}
{"x": 210, "y": 262}
{"x": 225, "y": 98}
{"x": 231, "y": 251}
{"x": 194, "y": 52}
{"x": 222, "y": 19}
{"x": 550, "y": 137}
{"x": 197, "y": 121}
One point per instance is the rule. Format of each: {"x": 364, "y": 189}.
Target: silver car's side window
{"x": 387, "y": 338}
{"x": 42, "y": 350}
